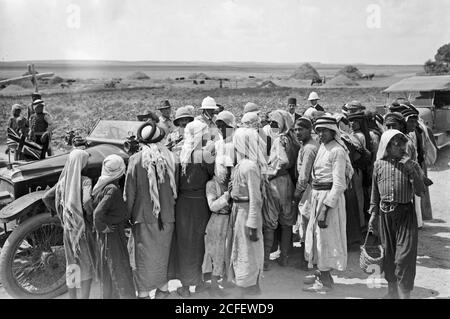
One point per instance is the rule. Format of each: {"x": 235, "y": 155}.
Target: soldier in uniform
{"x": 40, "y": 125}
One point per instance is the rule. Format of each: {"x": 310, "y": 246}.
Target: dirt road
{"x": 433, "y": 262}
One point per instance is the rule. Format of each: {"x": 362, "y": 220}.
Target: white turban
{"x": 113, "y": 168}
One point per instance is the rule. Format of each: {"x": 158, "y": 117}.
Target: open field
{"x": 81, "y": 110}
{"x": 88, "y": 98}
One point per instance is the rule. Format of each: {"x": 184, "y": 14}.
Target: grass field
{"x": 87, "y": 99}
{"x": 81, "y": 110}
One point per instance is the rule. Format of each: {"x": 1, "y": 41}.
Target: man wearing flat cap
{"x": 165, "y": 120}
{"x": 292, "y": 105}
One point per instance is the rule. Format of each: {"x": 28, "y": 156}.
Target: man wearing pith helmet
{"x": 314, "y": 100}
{"x": 208, "y": 116}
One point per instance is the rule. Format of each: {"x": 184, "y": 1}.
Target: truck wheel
{"x": 32, "y": 261}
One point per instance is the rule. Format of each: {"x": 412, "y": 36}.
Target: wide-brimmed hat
{"x": 149, "y": 133}
{"x": 148, "y": 115}
{"x": 208, "y": 103}
{"x": 251, "y": 107}
{"x": 181, "y": 113}
{"x": 313, "y": 96}
{"x": 227, "y": 117}
{"x": 164, "y": 105}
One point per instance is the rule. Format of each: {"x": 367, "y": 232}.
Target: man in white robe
{"x": 326, "y": 241}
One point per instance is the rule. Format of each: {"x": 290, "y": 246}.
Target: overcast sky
{"x": 328, "y": 31}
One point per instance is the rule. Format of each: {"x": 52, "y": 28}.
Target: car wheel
{"x": 32, "y": 261}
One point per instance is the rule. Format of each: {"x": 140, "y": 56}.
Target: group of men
{"x": 329, "y": 179}
{"x": 36, "y": 125}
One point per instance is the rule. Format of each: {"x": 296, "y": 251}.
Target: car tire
{"x": 8, "y": 252}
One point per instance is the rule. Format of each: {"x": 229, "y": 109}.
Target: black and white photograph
{"x": 224, "y": 154}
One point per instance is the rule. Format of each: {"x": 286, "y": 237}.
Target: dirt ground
{"x": 433, "y": 261}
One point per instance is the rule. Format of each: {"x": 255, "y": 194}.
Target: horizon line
{"x": 199, "y": 62}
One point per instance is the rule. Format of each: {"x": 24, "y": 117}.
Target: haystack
{"x": 351, "y": 72}
{"x": 268, "y": 85}
{"x": 342, "y": 80}
{"x": 305, "y": 72}
{"x": 56, "y": 80}
{"x": 138, "y": 76}
{"x": 12, "y": 88}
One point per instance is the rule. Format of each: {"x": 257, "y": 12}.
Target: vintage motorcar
{"x": 32, "y": 260}
{"x": 431, "y": 96}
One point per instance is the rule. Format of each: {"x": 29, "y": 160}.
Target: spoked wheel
{"x": 32, "y": 261}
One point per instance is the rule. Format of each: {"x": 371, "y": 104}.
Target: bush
{"x": 436, "y": 68}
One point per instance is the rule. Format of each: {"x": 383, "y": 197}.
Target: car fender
{"x": 21, "y": 206}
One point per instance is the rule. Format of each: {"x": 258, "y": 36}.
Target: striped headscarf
{"x": 157, "y": 161}
{"x": 330, "y": 123}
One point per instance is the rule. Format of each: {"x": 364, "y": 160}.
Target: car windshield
{"x": 114, "y": 130}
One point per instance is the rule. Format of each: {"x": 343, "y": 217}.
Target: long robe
{"x": 352, "y": 207}
{"x": 149, "y": 245}
{"x": 216, "y": 231}
{"x": 327, "y": 247}
{"x": 280, "y": 188}
{"x": 247, "y": 257}
{"x": 87, "y": 256}
{"x": 116, "y": 278}
{"x": 192, "y": 216}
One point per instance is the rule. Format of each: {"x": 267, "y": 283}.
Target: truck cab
{"x": 431, "y": 96}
